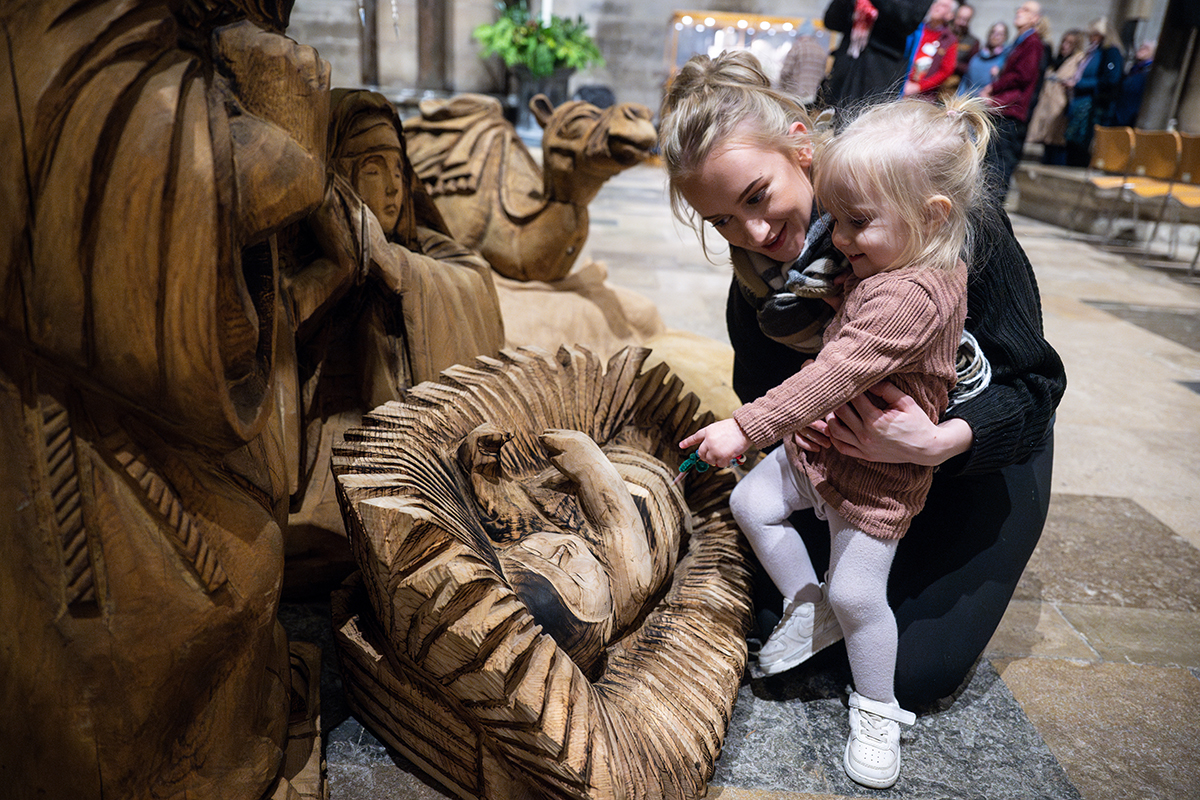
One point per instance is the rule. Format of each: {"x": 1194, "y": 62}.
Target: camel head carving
{"x": 529, "y": 221}
{"x": 583, "y": 146}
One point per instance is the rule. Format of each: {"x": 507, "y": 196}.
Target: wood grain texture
{"x": 530, "y": 222}
{"x": 446, "y": 653}
{"x": 151, "y": 164}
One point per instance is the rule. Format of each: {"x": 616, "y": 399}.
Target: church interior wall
{"x": 632, "y": 34}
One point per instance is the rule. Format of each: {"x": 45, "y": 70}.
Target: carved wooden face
{"x": 567, "y": 590}
{"x": 374, "y": 163}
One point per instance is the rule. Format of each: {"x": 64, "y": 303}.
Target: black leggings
{"x": 954, "y": 572}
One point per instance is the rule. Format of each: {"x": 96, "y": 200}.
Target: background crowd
{"x": 1042, "y": 96}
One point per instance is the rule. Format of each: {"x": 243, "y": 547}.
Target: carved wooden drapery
{"x": 141, "y": 465}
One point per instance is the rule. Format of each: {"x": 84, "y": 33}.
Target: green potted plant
{"x": 525, "y": 41}
{"x": 539, "y": 56}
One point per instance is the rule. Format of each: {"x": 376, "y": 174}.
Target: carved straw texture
{"x": 443, "y": 661}
{"x": 62, "y": 472}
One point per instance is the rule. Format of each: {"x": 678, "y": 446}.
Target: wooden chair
{"x": 1185, "y": 193}
{"x": 1112, "y": 154}
{"x": 1153, "y": 169}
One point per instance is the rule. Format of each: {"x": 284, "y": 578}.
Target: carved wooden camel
{"x": 529, "y": 222}
{"x": 539, "y": 612}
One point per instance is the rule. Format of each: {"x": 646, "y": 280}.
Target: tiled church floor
{"x": 1091, "y": 687}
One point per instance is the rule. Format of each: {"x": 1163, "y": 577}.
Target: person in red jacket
{"x": 1012, "y": 95}
{"x": 934, "y": 51}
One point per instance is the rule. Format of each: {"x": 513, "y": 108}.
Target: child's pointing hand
{"x": 719, "y": 443}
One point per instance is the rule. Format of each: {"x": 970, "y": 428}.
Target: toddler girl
{"x": 899, "y": 183}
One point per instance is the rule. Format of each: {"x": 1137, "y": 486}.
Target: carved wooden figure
{"x": 388, "y": 300}
{"x": 529, "y": 222}
{"x": 153, "y": 150}
{"x": 539, "y": 611}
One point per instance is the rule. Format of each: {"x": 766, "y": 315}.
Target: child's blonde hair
{"x": 903, "y": 154}
{"x": 714, "y": 101}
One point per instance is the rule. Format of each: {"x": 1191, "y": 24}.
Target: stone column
{"x": 433, "y": 41}
{"x": 1173, "y": 90}
{"x": 1128, "y": 16}
{"x": 368, "y": 52}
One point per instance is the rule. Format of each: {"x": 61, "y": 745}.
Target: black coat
{"x": 881, "y": 66}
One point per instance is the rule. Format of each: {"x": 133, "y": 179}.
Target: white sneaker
{"x": 804, "y": 629}
{"x": 873, "y": 750}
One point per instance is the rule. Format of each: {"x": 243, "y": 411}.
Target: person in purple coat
{"x": 1012, "y": 94}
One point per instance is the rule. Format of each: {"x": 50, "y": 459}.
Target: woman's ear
{"x": 805, "y": 151}
{"x": 937, "y": 209}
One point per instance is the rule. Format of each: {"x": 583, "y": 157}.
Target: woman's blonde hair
{"x": 1078, "y": 39}
{"x": 714, "y": 101}
{"x": 902, "y": 154}
{"x": 1103, "y": 27}
{"x": 1042, "y": 28}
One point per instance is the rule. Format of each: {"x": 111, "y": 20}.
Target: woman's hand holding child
{"x": 898, "y": 433}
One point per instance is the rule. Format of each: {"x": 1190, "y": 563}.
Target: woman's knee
{"x": 925, "y": 678}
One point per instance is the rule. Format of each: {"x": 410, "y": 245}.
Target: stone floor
{"x": 1091, "y": 687}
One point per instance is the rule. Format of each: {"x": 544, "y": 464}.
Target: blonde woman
{"x": 739, "y": 157}
{"x": 899, "y": 183}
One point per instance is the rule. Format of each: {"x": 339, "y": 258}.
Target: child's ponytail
{"x": 976, "y": 117}
{"x": 904, "y": 153}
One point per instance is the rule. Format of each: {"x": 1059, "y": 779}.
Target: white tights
{"x": 858, "y": 566}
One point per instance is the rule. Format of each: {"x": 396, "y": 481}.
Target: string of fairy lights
{"x": 746, "y": 25}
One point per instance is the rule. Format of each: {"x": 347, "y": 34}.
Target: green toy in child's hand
{"x": 693, "y": 460}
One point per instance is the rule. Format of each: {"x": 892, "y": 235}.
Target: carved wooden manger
{"x": 529, "y": 494}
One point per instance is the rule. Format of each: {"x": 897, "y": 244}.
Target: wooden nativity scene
{"x": 247, "y": 316}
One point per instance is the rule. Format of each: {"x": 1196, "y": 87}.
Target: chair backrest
{"x": 1155, "y": 155}
{"x": 1189, "y": 158}
{"x": 1112, "y": 149}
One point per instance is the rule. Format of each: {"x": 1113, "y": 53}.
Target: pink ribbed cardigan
{"x": 904, "y": 325}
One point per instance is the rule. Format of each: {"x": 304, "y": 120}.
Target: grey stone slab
{"x": 786, "y": 736}
{"x": 363, "y": 782}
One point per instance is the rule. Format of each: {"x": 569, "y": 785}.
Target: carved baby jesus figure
{"x": 587, "y": 544}
{"x": 539, "y": 613}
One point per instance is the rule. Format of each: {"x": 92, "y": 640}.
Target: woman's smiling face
{"x": 757, "y": 198}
